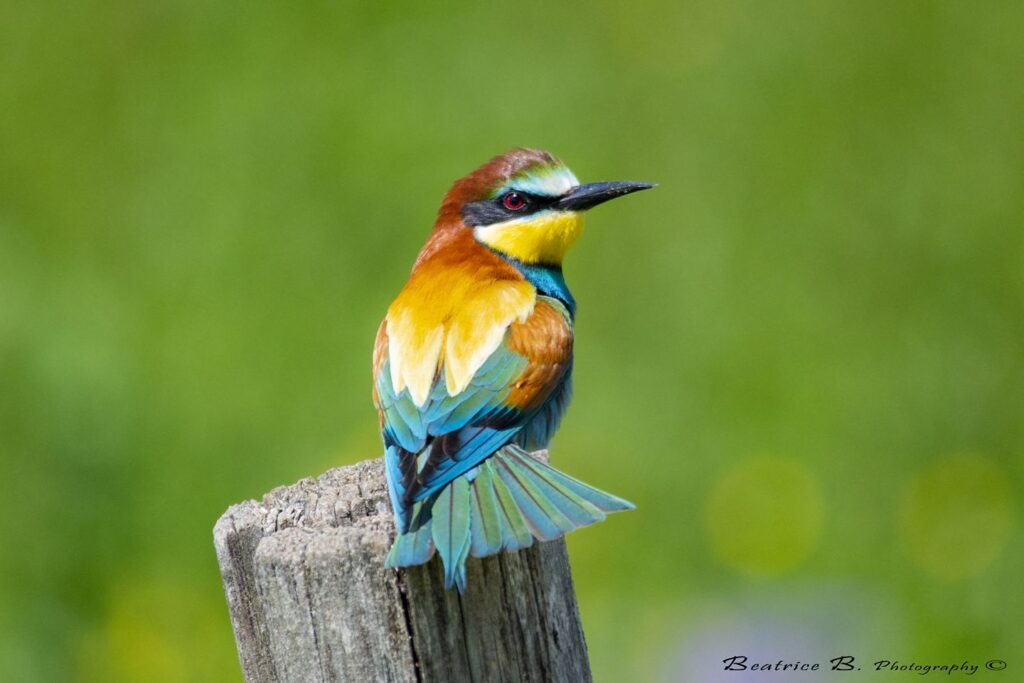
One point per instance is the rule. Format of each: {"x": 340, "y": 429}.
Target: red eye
{"x": 513, "y": 201}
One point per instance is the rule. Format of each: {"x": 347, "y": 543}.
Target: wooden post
{"x": 310, "y": 599}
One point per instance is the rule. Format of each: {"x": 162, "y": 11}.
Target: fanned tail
{"x": 506, "y": 502}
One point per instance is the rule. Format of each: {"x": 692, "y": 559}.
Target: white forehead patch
{"x": 544, "y": 182}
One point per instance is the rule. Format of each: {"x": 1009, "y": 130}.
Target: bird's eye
{"x": 514, "y": 201}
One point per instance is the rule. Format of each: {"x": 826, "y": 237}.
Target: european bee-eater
{"x": 473, "y": 368}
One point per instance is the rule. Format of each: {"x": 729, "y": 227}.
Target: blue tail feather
{"x": 414, "y": 547}
{"x": 545, "y": 521}
{"x": 515, "y": 532}
{"x": 572, "y": 489}
{"x": 578, "y": 510}
{"x": 486, "y": 519}
{"x": 450, "y": 522}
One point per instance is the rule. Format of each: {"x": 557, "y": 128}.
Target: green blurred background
{"x": 802, "y": 355}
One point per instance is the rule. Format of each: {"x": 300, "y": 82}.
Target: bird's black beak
{"x": 592, "y": 194}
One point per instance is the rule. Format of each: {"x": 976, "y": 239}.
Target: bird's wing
{"x": 429, "y": 446}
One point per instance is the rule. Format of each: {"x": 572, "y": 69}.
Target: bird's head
{"x": 527, "y": 204}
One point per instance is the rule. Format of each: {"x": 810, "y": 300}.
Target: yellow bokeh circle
{"x": 765, "y": 515}
{"x": 955, "y": 515}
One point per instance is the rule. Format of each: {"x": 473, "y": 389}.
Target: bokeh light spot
{"x": 158, "y": 630}
{"x": 765, "y": 515}
{"x": 955, "y": 516}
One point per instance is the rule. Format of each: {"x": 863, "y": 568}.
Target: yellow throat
{"x": 539, "y": 239}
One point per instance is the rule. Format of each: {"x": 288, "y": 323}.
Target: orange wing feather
{"x": 545, "y": 339}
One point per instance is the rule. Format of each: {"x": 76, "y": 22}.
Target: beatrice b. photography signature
{"x": 850, "y": 663}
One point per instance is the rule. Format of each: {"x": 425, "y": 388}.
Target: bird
{"x": 472, "y": 368}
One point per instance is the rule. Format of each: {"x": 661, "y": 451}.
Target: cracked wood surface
{"x": 310, "y": 599}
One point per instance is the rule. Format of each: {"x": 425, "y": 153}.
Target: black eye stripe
{"x": 488, "y": 211}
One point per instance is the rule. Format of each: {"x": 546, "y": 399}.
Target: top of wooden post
{"x": 310, "y": 599}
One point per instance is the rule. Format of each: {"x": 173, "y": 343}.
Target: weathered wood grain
{"x": 310, "y": 599}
